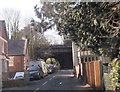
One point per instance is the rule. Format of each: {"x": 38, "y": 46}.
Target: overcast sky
{"x": 26, "y": 8}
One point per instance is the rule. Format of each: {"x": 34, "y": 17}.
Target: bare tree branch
{"x": 114, "y": 27}
{"x": 12, "y": 18}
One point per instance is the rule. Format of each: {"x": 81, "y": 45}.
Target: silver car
{"x": 35, "y": 72}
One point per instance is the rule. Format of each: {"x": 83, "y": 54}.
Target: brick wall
{"x": 0, "y": 46}
{"x": 18, "y": 64}
{"x": 3, "y": 54}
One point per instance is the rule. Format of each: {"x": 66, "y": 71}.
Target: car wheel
{"x": 42, "y": 76}
{"x": 39, "y": 76}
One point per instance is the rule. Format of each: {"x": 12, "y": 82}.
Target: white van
{"x": 40, "y": 63}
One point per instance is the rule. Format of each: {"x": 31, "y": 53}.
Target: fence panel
{"x": 92, "y": 74}
{"x": 97, "y": 75}
{"x": 93, "y": 77}
{"x": 87, "y": 72}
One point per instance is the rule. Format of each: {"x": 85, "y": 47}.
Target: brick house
{"x": 18, "y": 55}
{"x": 3, "y": 50}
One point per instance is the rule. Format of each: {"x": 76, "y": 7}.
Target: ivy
{"x": 94, "y": 25}
{"x": 115, "y": 73}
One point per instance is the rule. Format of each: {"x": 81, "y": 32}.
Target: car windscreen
{"x": 32, "y": 69}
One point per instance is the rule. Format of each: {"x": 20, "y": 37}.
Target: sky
{"x": 26, "y": 8}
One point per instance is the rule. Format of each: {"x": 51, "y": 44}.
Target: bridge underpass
{"x": 63, "y": 54}
{"x": 65, "y": 60}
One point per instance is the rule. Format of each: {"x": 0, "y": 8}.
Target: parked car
{"x": 35, "y": 72}
{"x": 50, "y": 68}
{"x": 19, "y": 75}
{"x": 40, "y": 63}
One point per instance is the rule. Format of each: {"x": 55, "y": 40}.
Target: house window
{"x": 11, "y": 61}
{"x": 2, "y": 46}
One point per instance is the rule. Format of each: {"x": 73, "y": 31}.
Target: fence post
{"x": 86, "y": 69}
{"x": 89, "y": 73}
{"x": 92, "y": 74}
{"x": 84, "y": 77}
{"x": 98, "y": 77}
{"x": 102, "y": 76}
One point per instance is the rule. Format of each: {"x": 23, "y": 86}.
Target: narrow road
{"x": 61, "y": 80}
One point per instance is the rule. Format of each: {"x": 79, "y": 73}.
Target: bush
{"x": 115, "y": 73}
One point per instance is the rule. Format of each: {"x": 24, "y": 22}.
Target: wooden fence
{"x": 93, "y": 74}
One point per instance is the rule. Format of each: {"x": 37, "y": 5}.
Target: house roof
{"x": 16, "y": 47}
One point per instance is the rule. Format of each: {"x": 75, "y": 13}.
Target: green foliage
{"x": 115, "y": 73}
{"x": 53, "y": 61}
{"x": 50, "y": 61}
{"x": 90, "y": 25}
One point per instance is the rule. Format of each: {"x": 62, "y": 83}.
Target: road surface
{"x": 61, "y": 80}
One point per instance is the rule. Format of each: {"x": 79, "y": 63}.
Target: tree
{"x": 44, "y": 22}
{"x": 36, "y": 41}
{"x": 90, "y": 25}
{"x": 12, "y": 18}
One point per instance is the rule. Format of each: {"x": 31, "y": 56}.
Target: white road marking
{"x": 36, "y": 89}
{"x": 50, "y": 78}
{"x": 44, "y": 83}
{"x": 60, "y": 83}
